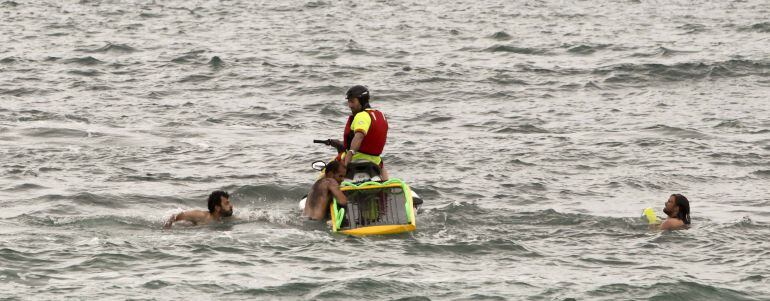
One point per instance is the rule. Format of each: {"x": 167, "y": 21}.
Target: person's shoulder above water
{"x": 219, "y": 207}
{"x": 677, "y": 209}
{"x": 320, "y": 197}
{"x": 672, "y": 224}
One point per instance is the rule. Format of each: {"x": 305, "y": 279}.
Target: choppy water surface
{"x": 536, "y": 131}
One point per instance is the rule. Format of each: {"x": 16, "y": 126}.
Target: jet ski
{"x": 375, "y": 207}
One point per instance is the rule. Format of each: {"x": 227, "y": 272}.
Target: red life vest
{"x": 375, "y": 138}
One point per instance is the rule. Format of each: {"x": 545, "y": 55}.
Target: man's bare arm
{"x": 172, "y": 219}
{"x": 194, "y": 216}
{"x": 334, "y": 189}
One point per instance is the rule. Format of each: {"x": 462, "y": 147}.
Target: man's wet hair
{"x": 333, "y": 166}
{"x": 215, "y": 199}
{"x": 684, "y": 208}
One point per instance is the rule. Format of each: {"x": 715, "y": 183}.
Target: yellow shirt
{"x": 361, "y": 123}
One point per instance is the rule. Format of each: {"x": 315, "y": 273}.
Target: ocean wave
{"x": 733, "y": 124}
{"x": 662, "y": 52}
{"x": 189, "y": 57}
{"x": 585, "y": 49}
{"x": 264, "y": 116}
{"x": 104, "y": 261}
{"x": 19, "y": 92}
{"x": 608, "y": 261}
{"x": 440, "y": 119}
{"x": 520, "y": 162}
{"x": 692, "y": 28}
{"x": 501, "y": 36}
{"x": 738, "y": 159}
{"x": 764, "y": 173}
{"x": 85, "y": 61}
{"x": 506, "y": 79}
{"x": 316, "y": 4}
{"x": 155, "y": 177}
{"x": 40, "y": 218}
{"x": 591, "y": 85}
{"x": 9, "y": 60}
{"x": 46, "y": 132}
{"x": 630, "y": 73}
{"x": 521, "y": 129}
{"x": 677, "y": 132}
{"x": 35, "y": 115}
{"x": 429, "y": 117}
{"x": 476, "y": 246}
{"x": 161, "y": 94}
{"x": 402, "y": 289}
{"x": 24, "y": 187}
{"x": 112, "y": 48}
{"x": 319, "y": 90}
{"x": 275, "y": 216}
{"x": 11, "y": 257}
{"x": 746, "y": 223}
{"x": 763, "y": 27}
{"x": 435, "y": 79}
{"x": 288, "y": 290}
{"x": 541, "y": 70}
{"x": 88, "y": 73}
{"x": 514, "y": 49}
{"x": 332, "y": 111}
{"x": 195, "y": 78}
{"x": 270, "y": 192}
{"x": 156, "y": 284}
{"x": 463, "y": 213}
{"x": 678, "y": 290}
{"x": 89, "y": 200}
{"x": 151, "y": 15}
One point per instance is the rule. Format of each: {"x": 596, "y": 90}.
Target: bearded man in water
{"x": 677, "y": 209}
{"x": 219, "y": 208}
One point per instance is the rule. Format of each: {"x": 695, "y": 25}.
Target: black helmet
{"x": 360, "y": 92}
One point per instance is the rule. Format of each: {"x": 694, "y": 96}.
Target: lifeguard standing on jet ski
{"x": 365, "y": 132}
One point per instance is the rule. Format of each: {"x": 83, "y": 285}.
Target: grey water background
{"x": 536, "y": 131}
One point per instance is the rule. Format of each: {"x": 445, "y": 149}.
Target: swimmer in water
{"x": 219, "y": 207}
{"x": 677, "y": 209}
{"x": 320, "y": 196}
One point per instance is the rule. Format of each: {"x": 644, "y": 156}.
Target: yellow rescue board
{"x": 339, "y": 214}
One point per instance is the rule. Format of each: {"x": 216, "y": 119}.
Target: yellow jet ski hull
{"x": 374, "y": 208}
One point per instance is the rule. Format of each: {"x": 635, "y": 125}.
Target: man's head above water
{"x": 324, "y": 191}
{"x": 336, "y": 171}
{"x": 678, "y": 207}
{"x": 219, "y": 204}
